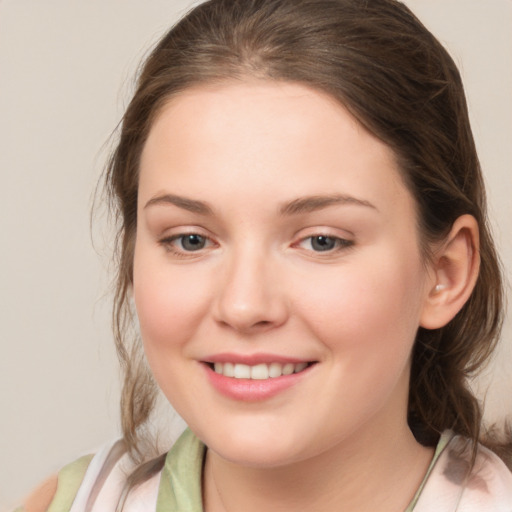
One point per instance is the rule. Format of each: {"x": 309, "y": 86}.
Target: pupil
{"x": 193, "y": 242}
{"x": 323, "y": 243}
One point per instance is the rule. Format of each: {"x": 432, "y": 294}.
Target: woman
{"x": 303, "y": 233}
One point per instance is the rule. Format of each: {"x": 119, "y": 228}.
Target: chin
{"x": 252, "y": 448}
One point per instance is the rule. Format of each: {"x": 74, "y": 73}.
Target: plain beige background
{"x": 65, "y": 77}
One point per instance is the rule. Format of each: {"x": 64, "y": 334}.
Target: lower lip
{"x": 253, "y": 390}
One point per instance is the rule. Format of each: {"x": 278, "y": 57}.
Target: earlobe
{"x": 455, "y": 268}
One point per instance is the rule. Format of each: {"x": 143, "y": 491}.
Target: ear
{"x": 455, "y": 268}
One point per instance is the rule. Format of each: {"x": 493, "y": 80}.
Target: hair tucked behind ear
{"x": 382, "y": 64}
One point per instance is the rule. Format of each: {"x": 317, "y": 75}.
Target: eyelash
{"x": 338, "y": 244}
{"x": 168, "y": 244}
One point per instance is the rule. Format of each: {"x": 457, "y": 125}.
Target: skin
{"x": 40, "y": 499}
{"x": 250, "y": 151}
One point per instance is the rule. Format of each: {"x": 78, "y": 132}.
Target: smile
{"x": 260, "y": 371}
{"x": 257, "y": 378}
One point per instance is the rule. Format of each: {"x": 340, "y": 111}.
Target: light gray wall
{"x": 65, "y": 76}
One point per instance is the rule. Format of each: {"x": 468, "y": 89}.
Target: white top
{"x": 449, "y": 486}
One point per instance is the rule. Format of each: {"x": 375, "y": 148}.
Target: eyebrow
{"x": 297, "y": 206}
{"x": 185, "y": 203}
{"x": 313, "y": 203}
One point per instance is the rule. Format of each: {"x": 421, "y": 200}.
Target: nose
{"x": 250, "y": 298}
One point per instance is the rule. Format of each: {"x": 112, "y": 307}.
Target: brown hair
{"x": 381, "y": 63}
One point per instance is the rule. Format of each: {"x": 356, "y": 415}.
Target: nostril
{"x": 240, "y": 324}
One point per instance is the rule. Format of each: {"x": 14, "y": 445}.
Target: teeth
{"x": 242, "y": 371}
{"x": 258, "y": 372}
{"x": 299, "y": 367}
{"x": 229, "y": 369}
{"x": 275, "y": 370}
{"x": 288, "y": 369}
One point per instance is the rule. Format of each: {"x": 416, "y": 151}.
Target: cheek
{"x": 169, "y": 304}
{"x": 368, "y": 309}
{"x": 366, "y": 320}
{"x": 170, "y": 308}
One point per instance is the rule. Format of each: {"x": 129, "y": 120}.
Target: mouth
{"x": 261, "y": 371}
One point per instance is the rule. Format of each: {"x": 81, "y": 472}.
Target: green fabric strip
{"x": 180, "y": 483}
{"x": 445, "y": 438}
{"x": 69, "y": 480}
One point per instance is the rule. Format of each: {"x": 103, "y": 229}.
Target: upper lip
{"x": 253, "y": 359}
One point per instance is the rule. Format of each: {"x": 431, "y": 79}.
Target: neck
{"x": 370, "y": 471}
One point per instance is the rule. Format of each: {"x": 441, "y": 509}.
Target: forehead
{"x": 258, "y": 109}
{"x": 252, "y": 138}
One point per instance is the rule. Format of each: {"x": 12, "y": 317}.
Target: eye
{"x": 192, "y": 242}
{"x": 324, "y": 243}
{"x": 188, "y": 242}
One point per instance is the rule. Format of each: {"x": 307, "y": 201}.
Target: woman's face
{"x": 275, "y": 235}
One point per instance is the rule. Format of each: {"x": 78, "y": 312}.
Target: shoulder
{"x": 488, "y": 484}
{"x": 59, "y": 488}
{"x": 40, "y": 499}
{"x": 455, "y": 484}
{"x": 74, "y": 482}
{"x": 103, "y": 485}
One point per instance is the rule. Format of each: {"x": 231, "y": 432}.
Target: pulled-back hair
{"x": 390, "y": 72}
